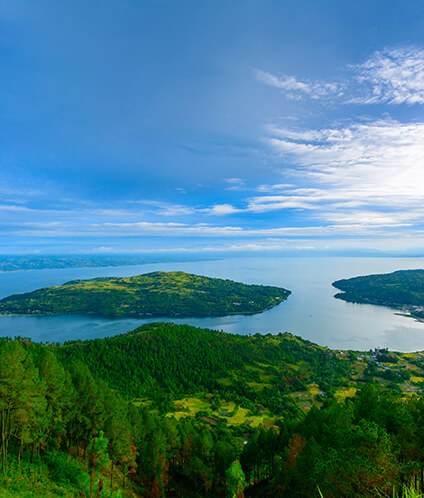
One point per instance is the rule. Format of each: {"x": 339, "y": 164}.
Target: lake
{"x": 311, "y": 311}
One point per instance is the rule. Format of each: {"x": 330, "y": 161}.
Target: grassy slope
{"x": 152, "y": 294}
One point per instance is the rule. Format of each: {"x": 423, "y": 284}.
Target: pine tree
{"x": 22, "y": 400}
{"x": 236, "y": 480}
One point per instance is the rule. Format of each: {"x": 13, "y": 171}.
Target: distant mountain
{"x": 27, "y": 262}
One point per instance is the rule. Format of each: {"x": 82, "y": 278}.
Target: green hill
{"x": 171, "y": 294}
{"x": 164, "y": 358}
{"x": 403, "y": 288}
{"x": 214, "y": 415}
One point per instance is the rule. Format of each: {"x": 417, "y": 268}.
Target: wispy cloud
{"x": 167, "y": 209}
{"x": 273, "y": 188}
{"x": 394, "y": 76}
{"x": 296, "y": 88}
{"x": 172, "y": 229}
{"x": 235, "y": 184}
{"x": 380, "y": 158}
{"x": 368, "y": 175}
{"x": 377, "y": 165}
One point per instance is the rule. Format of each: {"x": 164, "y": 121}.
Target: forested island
{"x": 403, "y": 289}
{"x": 176, "y": 411}
{"x": 157, "y": 294}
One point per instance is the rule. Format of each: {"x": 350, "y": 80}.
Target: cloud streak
{"x": 379, "y": 159}
{"x": 371, "y": 173}
{"x": 172, "y": 229}
{"x": 392, "y": 76}
{"x": 366, "y": 175}
{"x": 297, "y": 88}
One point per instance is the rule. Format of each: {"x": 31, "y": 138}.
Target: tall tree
{"x": 22, "y": 399}
{"x": 236, "y": 480}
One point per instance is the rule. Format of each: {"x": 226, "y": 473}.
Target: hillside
{"x": 400, "y": 289}
{"x": 158, "y": 360}
{"x": 157, "y": 294}
{"x": 169, "y": 410}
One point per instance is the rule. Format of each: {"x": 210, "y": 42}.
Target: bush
{"x": 63, "y": 470}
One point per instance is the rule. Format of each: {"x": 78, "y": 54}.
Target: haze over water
{"x": 311, "y": 310}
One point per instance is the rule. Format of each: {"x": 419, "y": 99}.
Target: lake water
{"x": 311, "y": 311}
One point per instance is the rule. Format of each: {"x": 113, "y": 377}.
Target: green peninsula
{"x": 157, "y": 294}
{"x": 403, "y": 289}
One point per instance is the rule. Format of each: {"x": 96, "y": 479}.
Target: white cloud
{"x": 221, "y": 209}
{"x": 369, "y": 174}
{"x": 168, "y": 209}
{"x": 104, "y": 249}
{"x": 384, "y": 244}
{"x": 313, "y": 89}
{"x": 143, "y": 228}
{"x": 14, "y": 208}
{"x": 273, "y": 188}
{"x": 263, "y": 204}
{"x": 235, "y": 184}
{"x": 389, "y": 76}
{"x": 380, "y": 158}
{"x": 234, "y": 181}
{"x": 377, "y": 165}
{"x": 393, "y": 76}
{"x": 372, "y": 218}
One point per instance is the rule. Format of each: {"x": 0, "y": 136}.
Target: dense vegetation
{"x": 70, "y": 425}
{"x": 152, "y": 294}
{"x": 66, "y": 433}
{"x": 400, "y": 288}
{"x": 158, "y": 360}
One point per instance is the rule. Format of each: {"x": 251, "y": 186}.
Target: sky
{"x": 157, "y": 126}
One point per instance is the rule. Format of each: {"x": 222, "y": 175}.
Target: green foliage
{"x": 98, "y": 461}
{"x": 22, "y": 400}
{"x": 236, "y": 480}
{"x": 64, "y": 470}
{"x": 115, "y": 443}
{"x": 46, "y": 409}
{"x": 368, "y": 447}
{"x": 160, "y": 359}
{"x": 153, "y": 294}
{"x": 404, "y": 287}
{"x": 34, "y": 480}
{"x": 66, "y": 432}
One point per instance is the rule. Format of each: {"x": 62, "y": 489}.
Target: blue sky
{"x": 156, "y": 126}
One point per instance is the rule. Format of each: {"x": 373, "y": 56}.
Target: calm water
{"x": 311, "y": 311}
